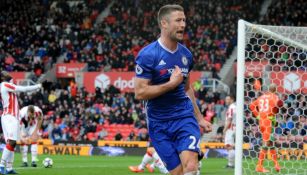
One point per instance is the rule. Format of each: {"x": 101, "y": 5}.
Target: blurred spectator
{"x": 56, "y": 133}
{"x": 118, "y": 136}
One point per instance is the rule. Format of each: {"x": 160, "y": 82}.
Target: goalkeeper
{"x": 265, "y": 108}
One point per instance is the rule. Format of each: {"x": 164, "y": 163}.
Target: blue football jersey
{"x": 156, "y": 63}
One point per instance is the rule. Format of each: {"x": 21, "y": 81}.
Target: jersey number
{"x": 193, "y": 145}
{"x": 264, "y": 105}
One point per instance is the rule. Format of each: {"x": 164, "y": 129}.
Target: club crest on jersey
{"x": 184, "y": 60}
{"x": 138, "y": 69}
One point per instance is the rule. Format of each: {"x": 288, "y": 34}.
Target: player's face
{"x": 30, "y": 115}
{"x": 176, "y": 25}
{"x": 228, "y": 100}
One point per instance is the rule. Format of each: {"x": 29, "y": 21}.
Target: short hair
{"x": 5, "y": 76}
{"x": 31, "y": 108}
{"x": 232, "y": 96}
{"x": 166, "y": 10}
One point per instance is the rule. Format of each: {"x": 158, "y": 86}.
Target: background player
{"x": 265, "y": 108}
{"x": 150, "y": 156}
{"x": 229, "y": 130}
{"x": 31, "y": 118}
{"x": 162, "y": 78}
{"x": 9, "y": 119}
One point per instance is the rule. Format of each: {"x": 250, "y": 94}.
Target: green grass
{"x": 103, "y": 165}
{"x": 290, "y": 167}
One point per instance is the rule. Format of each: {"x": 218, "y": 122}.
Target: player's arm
{"x": 145, "y": 91}
{"x": 199, "y": 117}
{"x": 253, "y": 108}
{"x": 15, "y": 88}
{"x": 143, "y": 69}
{"x": 227, "y": 122}
{"x": 39, "y": 121}
{"x": 38, "y": 125}
{"x": 24, "y": 139}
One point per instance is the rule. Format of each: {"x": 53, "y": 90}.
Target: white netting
{"x": 277, "y": 55}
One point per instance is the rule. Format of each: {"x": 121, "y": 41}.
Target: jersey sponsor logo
{"x": 162, "y": 62}
{"x": 163, "y": 71}
{"x": 138, "y": 69}
{"x": 185, "y": 71}
{"x": 184, "y": 60}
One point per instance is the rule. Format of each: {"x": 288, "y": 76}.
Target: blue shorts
{"x": 170, "y": 138}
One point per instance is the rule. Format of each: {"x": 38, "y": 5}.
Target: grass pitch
{"x": 103, "y": 165}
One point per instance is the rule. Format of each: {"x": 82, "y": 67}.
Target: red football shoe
{"x": 277, "y": 168}
{"x": 135, "y": 169}
{"x": 149, "y": 168}
{"x": 260, "y": 169}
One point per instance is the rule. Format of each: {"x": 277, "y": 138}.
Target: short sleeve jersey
{"x": 156, "y": 63}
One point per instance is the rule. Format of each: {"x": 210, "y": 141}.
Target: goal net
{"x": 271, "y": 55}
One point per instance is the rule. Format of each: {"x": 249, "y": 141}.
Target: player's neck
{"x": 169, "y": 44}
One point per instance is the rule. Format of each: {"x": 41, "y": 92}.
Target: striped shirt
{"x": 9, "y": 97}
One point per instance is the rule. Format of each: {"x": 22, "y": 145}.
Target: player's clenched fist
{"x": 206, "y": 125}
{"x": 176, "y": 77}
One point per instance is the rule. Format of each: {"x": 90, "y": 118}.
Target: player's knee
{"x": 228, "y": 147}
{"x": 12, "y": 143}
{"x": 191, "y": 166}
{"x": 150, "y": 151}
{"x": 191, "y": 173}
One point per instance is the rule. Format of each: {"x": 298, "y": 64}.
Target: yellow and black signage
{"x": 214, "y": 145}
{"x": 123, "y": 143}
{"x": 44, "y": 142}
{"x": 64, "y": 150}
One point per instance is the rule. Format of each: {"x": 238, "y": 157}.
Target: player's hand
{"x": 34, "y": 137}
{"x": 258, "y": 117}
{"x": 23, "y": 141}
{"x": 224, "y": 131}
{"x": 176, "y": 77}
{"x": 206, "y": 125}
{"x": 40, "y": 85}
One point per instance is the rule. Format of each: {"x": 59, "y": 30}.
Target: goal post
{"x": 272, "y": 55}
{"x": 240, "y": 97}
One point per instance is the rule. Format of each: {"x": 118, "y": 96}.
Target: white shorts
{"x": 230, "y": 137}
{"x": 10, "y": 127}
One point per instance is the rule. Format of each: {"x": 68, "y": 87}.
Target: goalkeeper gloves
{"x": 258, "y": 117}
{"x": 273, "y": 119}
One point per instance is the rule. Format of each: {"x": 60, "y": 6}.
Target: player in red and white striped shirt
{"x": 31, "y": 118}
{"x": 229, "y": 129}
{"x": 9, "y": 119}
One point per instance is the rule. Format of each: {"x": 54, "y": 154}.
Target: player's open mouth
{"x": 180, "y": 32}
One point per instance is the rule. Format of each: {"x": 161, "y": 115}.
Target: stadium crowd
{"x": 286, "y": 13}
{"x": 35, "y": 33}
{"x": 49, "y": 29}
{"x": 127, "y": 29}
